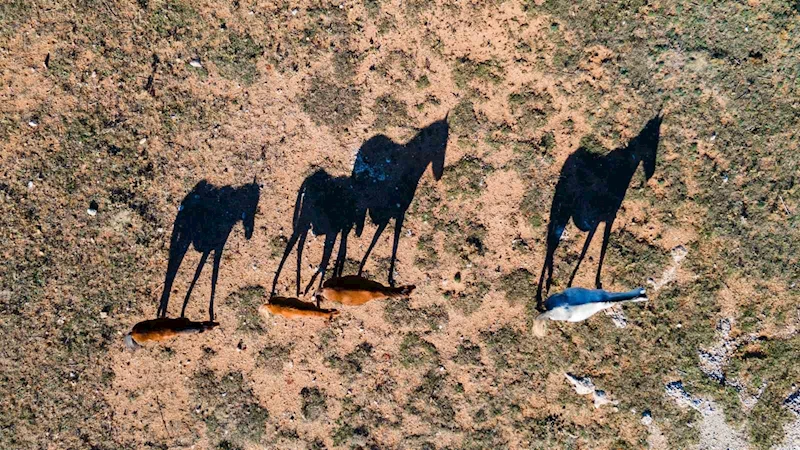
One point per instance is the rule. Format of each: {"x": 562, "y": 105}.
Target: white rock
{"x": 33, "y": 124}
{"x": 195, "y": 63}
{"x": 647, "y": 419}
{"x": 91, "y": 212}
{"x": 583, "y": 386}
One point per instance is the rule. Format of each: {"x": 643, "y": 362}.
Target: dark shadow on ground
{"x": 205, "y": 219}
{"x": 382, "y": 185}
{"x": 590, "y": 190}
{"x": 326, "y": 206}
{"x": 386, "y": 175}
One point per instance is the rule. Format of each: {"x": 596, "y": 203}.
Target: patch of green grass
{"x": 346, "y": 433}
{"x": 770, "y": 364}
{"x": 415, "y": 351}
{"x": 228, "y": 407}
{"x": 237, "y": 59}
{"x": 463, "y": 120}
{"x": 467, "y": 70}
{"x": 400, "y": 313}
{"x": 246, "y": 302}
{"x": 469, "y": 300}
{"x": 468, "y": 353}
{"x": 463, "y": 239}
{"x": 466, "y": 178}
{"x": 414, "y": 8}
{"x": 273, "y": 357}
{"x": 431, "y": 400}
{"x": 175, "y": 20}
{"x": 277, "y": 246}
{"x": 390, "y": 112}
{"x": 534, "y": 204}
{"x": 633, "y": 260}
{"x": 13, "y": 14}
{"x": 530, "y": 107}
{"x": 485, "y": 438}
{"x": 519, "y": 286}
{"x": 423, "y": 82}
{"x": 427, "y": 258}
{"x": 501, "y": 345}
{"x": 352, "y": 363}
{"x": 373, "y": 8}
{"x": 314, "y": 405}
{"x": 345, "y": 63}
{"x": 330, "y": 104}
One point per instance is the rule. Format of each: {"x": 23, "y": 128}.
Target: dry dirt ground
{"x": 122, "y": 107}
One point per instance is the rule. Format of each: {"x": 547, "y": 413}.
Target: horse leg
{"x": 214, "y": 276}
{"x": 289, "y": 246}
{"x": 177, "y": 250}
{"x": 606, "y": 236}
{"x": 377, "y": 235}
{"x": 583, "y": 253}
{"x": 330, "y": 240}
{"x": 554, "y": 233}
{"x": 194, "y": 280}
{"x": 300, "y": 246}
{"x": 398, "y": 228}
{"x": 341, "y": 257}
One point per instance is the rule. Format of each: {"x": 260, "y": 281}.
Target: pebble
{"x": 195, "y": 63}
{"x": 91, "y": 212}
{"x": 33, "y": 124}
{"x": 647, "y": 418}
{"x": 30, "y": 184}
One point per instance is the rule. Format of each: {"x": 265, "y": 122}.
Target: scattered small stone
{"x": 33, "y": 124}
{"x": 676, "y": 391}
{"x": 93, "y": 206}
{"x": 584, "y": 386}
{"x": 617, "y": 316}
{"x": 195, "y": 63}
{"x": 647, "y": 418}
{"x": 30, "y": 185}
{"x": 793, "y": 402}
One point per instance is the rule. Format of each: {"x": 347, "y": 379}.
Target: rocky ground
{"x": 112, "y": 111}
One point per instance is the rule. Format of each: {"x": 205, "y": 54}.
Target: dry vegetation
{"x": 124, "y": 106}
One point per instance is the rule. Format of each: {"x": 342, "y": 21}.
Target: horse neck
{"x": 624, "y": 163}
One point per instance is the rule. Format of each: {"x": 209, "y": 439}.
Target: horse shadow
{"x": 386, "y": 175}
{"x": 382, "y": 185}
{"x": 590, "y": 190}
{"x": 326, "y": 206}
{"x": 205, "y": 219}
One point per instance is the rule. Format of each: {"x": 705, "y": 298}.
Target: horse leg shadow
{"x": 194, "y": 280}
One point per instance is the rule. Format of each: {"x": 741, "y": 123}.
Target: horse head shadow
{"x": 590, "y": 190}
{"x": 386, "y": 175}
{"x": 325, "y": 206}
{"x": 205, "y": 220}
